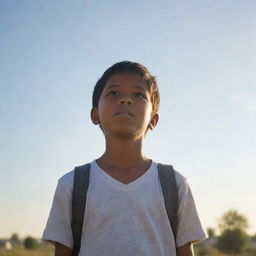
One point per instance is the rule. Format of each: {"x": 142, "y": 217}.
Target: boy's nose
{"x": 126, "y": 100}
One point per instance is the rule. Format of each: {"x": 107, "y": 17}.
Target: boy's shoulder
{"x": 66, "y": 180}
{"x": 179, "y": 177}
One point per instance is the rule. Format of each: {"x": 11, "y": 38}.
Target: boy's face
{"x": 124, "y": 107}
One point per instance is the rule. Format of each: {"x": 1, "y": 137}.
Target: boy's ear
{"x": 153, "y": 121}
{"x": 95, "y": 116}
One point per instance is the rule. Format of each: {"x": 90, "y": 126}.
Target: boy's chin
{"x": 126, "y": 134}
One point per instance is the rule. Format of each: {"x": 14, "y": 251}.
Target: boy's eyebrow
{"x": 140, "y": 87}
{"x": 118, "y": 85}
{"x": 112, "y": 86}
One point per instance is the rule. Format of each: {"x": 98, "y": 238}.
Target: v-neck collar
{"x": 120, "y": 184}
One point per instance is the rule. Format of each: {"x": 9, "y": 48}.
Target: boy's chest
{"x": 110, "y": 202}
{"x": 113, "y": 199}
{"x": 134, "y": 212}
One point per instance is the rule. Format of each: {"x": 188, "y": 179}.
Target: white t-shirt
{"x": 124, "y": 219}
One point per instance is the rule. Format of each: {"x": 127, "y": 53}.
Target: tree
{"x": 15, "y": 238}
{"x": 233, "y": 238}
{"x": 210, "y": 232}
{"x": 231, "y": 220}
{"x": 31, "y": 243}
{"x": 233, "y": 241}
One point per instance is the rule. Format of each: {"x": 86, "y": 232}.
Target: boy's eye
{"x": 140, "y": 95}
{"x": 113, "y": 93}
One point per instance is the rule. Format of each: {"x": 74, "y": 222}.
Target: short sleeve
{"x": 190, "y": 228}
{"x": 58, "y": 227}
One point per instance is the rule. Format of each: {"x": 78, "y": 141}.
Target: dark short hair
{"x": 132, "y": 67}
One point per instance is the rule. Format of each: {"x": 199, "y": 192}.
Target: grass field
{"x": 20, "y": 251}
{"x": 214, "y": 252}
{"x": 49, "y": 251}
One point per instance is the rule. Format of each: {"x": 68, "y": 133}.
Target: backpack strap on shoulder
{"x": 80, "y": 187}
{"x": 170, "y": 192}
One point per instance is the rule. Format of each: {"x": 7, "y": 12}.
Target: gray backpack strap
{"x": 80, "y": 187}
{"x": 170, "y": 192}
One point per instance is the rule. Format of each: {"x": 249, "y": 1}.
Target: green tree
{"x": 31, "y": 243}
{"x": 210, "y": 232}
{"x": 233, "y": 238}
{"x": 233, "y": 241}
{"x": 15, "y": 238}
{"x": 232, "y": 219}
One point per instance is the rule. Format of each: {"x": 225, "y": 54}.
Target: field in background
{"x": 49, "y": 251}
{"x": 21, "y": 251}
{"x": 211, "y": 251}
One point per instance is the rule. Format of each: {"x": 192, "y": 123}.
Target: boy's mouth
{"x": 124, "y": 114}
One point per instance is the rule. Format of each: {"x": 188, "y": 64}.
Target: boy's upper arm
{"x": 62, "y": 250}
{"x": 189, "y": 226}
{"x": 58, "y": 227}
{"x": 185, "y": 250}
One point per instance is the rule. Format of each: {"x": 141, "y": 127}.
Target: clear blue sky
{"x": 203, "y": 54}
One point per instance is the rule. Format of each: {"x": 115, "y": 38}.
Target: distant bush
{"x": 210, "y": 232}
{"x": 207, "y": 251}
{"x": 31, "y": 243}
{"x": 232, "y": 241}
{"x": 15, "y": 238}
{"x": 231, "y": 220}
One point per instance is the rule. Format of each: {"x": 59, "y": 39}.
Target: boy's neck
{"x": 123, "y": 153}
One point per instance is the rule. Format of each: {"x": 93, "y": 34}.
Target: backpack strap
{"x": 80, "y": 187}
{"x": 170, "y": 192}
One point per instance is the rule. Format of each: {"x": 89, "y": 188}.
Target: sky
{"x": 203, "y": 54}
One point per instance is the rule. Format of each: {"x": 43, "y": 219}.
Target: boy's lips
{"x": 124, "y": 113}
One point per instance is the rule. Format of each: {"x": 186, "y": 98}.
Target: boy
{"x": 125, "y": 212}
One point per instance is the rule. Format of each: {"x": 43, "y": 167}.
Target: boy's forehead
{"x": 131, "y": 79}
